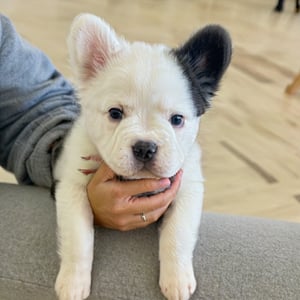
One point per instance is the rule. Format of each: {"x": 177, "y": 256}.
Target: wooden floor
{"x": 251, "y": 136}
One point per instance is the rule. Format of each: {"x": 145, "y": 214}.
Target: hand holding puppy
{"x": 115, "y": 207}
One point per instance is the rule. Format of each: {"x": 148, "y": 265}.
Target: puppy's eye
{"x": 116, "y": 113}
{"x": 177, "y": 120}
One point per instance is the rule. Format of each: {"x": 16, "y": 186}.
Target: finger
{"x": 162, "y": 199}
{"x": 136, "y": 221}
{"x": 140, "y": 186}
{"x": 87, "y": 171}
{"x": 151, "y": 216}
{"x": 103, "y": 174}
{"x": 92, "y": 157}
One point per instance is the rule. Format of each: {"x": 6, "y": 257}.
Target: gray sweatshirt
{"x": 37, "y": 108}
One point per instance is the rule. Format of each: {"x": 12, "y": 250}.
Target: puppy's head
{"x": 142, "y": 103}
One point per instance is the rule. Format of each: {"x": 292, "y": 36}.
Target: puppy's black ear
{"x": 204, "y": 59}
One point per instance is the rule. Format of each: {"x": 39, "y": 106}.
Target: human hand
{"x": 115, "y": 207}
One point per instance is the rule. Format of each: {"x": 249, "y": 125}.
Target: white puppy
{"x": 140, "y": 112}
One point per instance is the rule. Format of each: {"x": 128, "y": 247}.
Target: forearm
{"x": 37, "y": 107}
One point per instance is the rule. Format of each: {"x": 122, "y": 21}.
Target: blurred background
{"x": 251, "y": 136}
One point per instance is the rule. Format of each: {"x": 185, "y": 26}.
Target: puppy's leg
{"x": 74, "y": 216}
{"x": 76, "y": 239}
{"x": 178, "y": 237}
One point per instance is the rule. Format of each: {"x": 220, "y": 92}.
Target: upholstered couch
{"x": 235, "y": 258}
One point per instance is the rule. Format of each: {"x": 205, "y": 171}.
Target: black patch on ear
{"x": 204, "y": 59}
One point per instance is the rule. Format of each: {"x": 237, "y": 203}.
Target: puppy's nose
{"x": 144, "y": 151}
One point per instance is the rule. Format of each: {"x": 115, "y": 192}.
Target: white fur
{"x": 147, "y": 84}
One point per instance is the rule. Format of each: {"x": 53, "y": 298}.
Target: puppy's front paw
{"x": 73, "y": 283}
{"x": 177, "y": 283}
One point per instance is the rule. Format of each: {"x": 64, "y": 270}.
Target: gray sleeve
{"x": 37, "y": 107}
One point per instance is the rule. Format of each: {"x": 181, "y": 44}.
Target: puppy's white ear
{"x": 91, "y": 42}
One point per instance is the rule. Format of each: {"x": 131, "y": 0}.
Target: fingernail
{"x": 85, "y": 157}
{"x": 94, "y": 157}
{"x": 87, "y": 171}
{"x": 83, "y": 171}
{"x": 164, "y": 182}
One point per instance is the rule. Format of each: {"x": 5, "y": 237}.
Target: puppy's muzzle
{"x": 144, "y": 151}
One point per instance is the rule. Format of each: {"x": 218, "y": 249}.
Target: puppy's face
{"x": 142, "y": 103}
{"x": 139, "y": 113}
